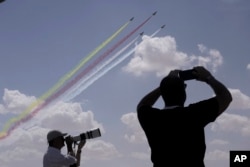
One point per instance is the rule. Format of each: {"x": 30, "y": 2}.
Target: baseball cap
{"x": 172, "y": 83}
{"x": 54, "y": 134}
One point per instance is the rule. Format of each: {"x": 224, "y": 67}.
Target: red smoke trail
{"x": 89, "y": 68}
{"x": 75, "y": 80}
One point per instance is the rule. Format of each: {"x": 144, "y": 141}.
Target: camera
{"x": 187, "y": 75}
{"x": 87, "y": 135}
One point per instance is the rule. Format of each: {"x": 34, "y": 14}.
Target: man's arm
{"x": 150, "y": 98}
{"x": 222, "y": 94}
{"x": 153, "y": 96}
{"x": 79, "y": 151}
{"x": 69, "y": 142}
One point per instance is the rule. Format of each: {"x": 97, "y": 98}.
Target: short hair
{"x": 173, "y": 90}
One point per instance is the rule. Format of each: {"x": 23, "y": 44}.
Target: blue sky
{"x": 40, "y": 41}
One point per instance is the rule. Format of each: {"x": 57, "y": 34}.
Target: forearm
{"x": 223, "y": 95}
{"x": 78, "y": 157}
{"x": 70, "y": 151}
{"x": 79, "y": 151}
{"x": 150, "y": 98}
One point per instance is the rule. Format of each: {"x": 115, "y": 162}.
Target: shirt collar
{"x": 53, "y": 149}
{"x": 170, "y": 107}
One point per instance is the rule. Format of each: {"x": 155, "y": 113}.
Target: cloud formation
{"x": 135, "y": 133}
{"x": 240, "y": 100}
{"x": 15, "y": 102}
{"x": 159, "y": 55}
{"x": 248, "y": 66}
{"x": 232, "y": 123}
{"x": 217, "y": 155}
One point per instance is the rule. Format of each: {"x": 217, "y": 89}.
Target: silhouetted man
{"x": 54, "y": 158}
{"x": 176, "y": 133}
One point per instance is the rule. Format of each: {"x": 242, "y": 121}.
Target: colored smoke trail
{"x": 93, "y": 65}
{"x": 17, "y": 123}
{"x": 74, "y": 91}
{"x": 52, "y": 90}
{"x": 82, "y": 62}
{"x": 107, "y": 69}
{"x": 155, "y": 33}
{"x": 103, "y": 72}
{"x": 8, "y": 129}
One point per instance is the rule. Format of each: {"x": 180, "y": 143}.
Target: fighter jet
{"x": 131, "y": 19}
{"x": 163, "y": 26}
{"x": 155, "y": 13}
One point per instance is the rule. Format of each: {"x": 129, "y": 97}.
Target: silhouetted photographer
{"x": 54, "y": 158}
{"x": 176, "y": 133}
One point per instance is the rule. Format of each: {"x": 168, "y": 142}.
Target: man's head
{"x": 55, "y": 138}
{"x": 173, "y": 91}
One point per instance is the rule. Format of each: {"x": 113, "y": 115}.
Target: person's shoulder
{"x": 146, "y": 111}
{"x": 211, "y": 102}
{"x": 206, "y": 110}
{"x": 146, "y": 108}
{"x": 143, "y": 108}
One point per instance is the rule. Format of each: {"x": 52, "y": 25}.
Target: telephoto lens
{"x": 88, "y": 135}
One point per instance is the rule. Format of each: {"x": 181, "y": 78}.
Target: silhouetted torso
{"x": 176, "y": 136}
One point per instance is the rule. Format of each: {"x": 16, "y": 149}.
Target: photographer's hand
{"x": 202, "y": 74}
{"x": 79, "y": 151}
{"x": 81, "y": 144}
{"x": 69, "y": 142}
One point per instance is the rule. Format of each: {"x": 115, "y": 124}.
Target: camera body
{"x": 87, "y": 135}
{"x": 187, "y": 74}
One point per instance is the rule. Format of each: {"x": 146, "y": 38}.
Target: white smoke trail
{"x": 156, "y": 32}
{"x": 106, "y": 69}
{"x": 71, "y": 93}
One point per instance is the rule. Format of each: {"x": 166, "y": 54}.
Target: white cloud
{"x": 217, "y": 155}
{"x": 141, "y": 155}
{"x": 136, "y": 134}
{"x": 232, "y": 123}
{"x": 22, "y": 145}
{"x": 212, "y": 60}
{"x": 218, "y": 142}
{"x": 20, "y": 155}
{"x": 202, "y": 48}
{"x": 15, "y": 102}
{"x": 248, "y": 66}
{"x": 240, "y": 100}
{"x": 100, "y": 150}
{"x": 160, "y": 55}
{"x": 70, "y": 116}
{"x": 216, "y": 59}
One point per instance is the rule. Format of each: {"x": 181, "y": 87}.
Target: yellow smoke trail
{"x": 65, "y": 78}
{"x": 82, "y": 62}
